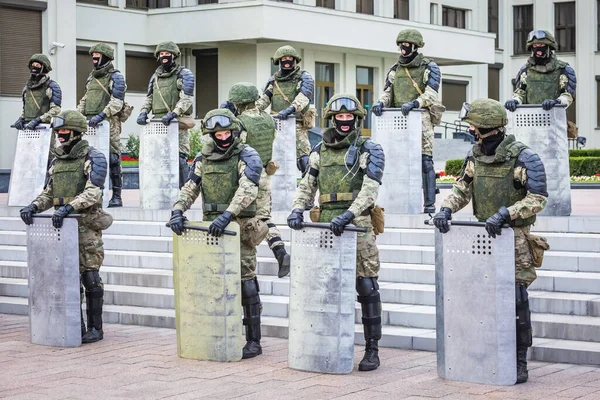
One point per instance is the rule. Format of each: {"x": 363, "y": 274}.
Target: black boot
{"x": 94, "y": 300}
{"x": 83, "y": 330}
{"x": 524, "y": 331}
{"x": 429, "y": 187}
{"x": 184, "y": 169}
{"x": 116, "y": 178}
{"x": 283, "y": 259}
{"x": 522, "y": 373}
{"x": 369, "y": 299}
{"x": 251, "y": 305}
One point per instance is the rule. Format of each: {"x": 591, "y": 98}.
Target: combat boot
{"x": 252, "y": 307}
{"x": 522, "y": 373}
{"x": 370, "y": 302}
{"x": 116, "y": 178}
{"x": 94, "y": 300}
{"x": 283, "y": 259}
{"x": 370, "y": 360}
{"x": 116, "y": 200}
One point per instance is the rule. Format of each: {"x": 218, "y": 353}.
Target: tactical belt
{"x": 331, "y": 197}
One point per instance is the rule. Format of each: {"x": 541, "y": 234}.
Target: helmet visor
{"x": 464, "y": 111}
{"x": 536, "y": 35}
{"x": 348, "y": 104}
{"x": 57, "y": 122}
{"x": 221, "y": 120}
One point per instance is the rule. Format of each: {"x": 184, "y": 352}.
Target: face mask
{"x": 406, "y": 50}
{"x": 36, "y": 70}
{"x": 344, "y": 127}
{"x": 96, "y": 61}
{"x": 490, "y": 143}
{"x": 166, "y": 61}
{"x": 287, "y": 65}
{"x": 68, "y": 141}
{"x": 223, "y": 144}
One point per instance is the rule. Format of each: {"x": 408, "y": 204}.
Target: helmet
{"x": 484, "y": 113}
{"x": 342, "y": 103}
{"x": 285, "y": 51}
{"x": 410, "y": 36}
{"x": 542, "y": 37}
{"x": 70, "y": 119}
{"x": 103, "y": 49}
{"x": 243, "y": 93}
{"x": 219, "y": 120}
{"x": 42, "y": 59}
{"x": 171, "y": 47}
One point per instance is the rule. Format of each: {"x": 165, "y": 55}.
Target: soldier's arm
{"x": 249, "y": 170}
{"x": 117, "y": 88}
{"x": 462, "y": 190}
{"x": 387, "y": 97}
{"x": 305, "y": 193}
{"x": 530, "y": 174}
{"x": 306, "y": 94}
{"x": 185, "y": 84}
{"x": 265, "y": 100}
{"x": 519, "y": 94}
{"x": 45, "y": 200}
{"x": 190, "y": 191}
{"x": 147, "y": 105}
{"x": 431, "y": 78}
{"x": 568, "y": 84}
{"x": 95, "y": 168}
{"x": 54, "y": 93}
{"x": 372, "y": 162}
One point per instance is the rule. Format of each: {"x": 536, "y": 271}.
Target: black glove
{"x": 406, "y": 107}
{"x": 60, "y": 214}
{"x": 377, "y": 108}
{"x": 493, "y": 225}
{"x": 142, "y": 118}
{"x": 218, "y": 225}
{"x": 229, "y": 105}
{"x": 95, "y": 120}
{"x": 549, "y": 103}
{"x": 338, "y": 224}
{"x": 511, "y": 105}
{"x": 33, "y": 123}
{"x": 176, "y": 222}
{"x": 296, "y": 219}
{"x": 27, "y": 213}
{"x": 284, "y": 114}
{"x": 19, "y": 124}
{"x": 440, "y": 220}
{"x": 168, "y": 118}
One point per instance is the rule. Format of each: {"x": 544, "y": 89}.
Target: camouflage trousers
{"x": 115, "y": 135}
{"x": 184, "y": 141}
{"x": 91, "y": 249}
{"x": 367, "y": 253}
{"x": 302, "y": 142}
{"x": 427, "y": 134}
{"x": 248, "y": 248}
{"x": 524, "y": 268}
{"x": 263, "y": 209}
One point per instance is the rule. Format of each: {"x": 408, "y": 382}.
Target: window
{"x": 494, "y": 81}
{"x": 139, "y": 68}
{"x": 147, "y": 4}
{"x": 365, "y": 7}
{"x": 564, "y": 25}
{"x": 572, "y": 112}
{"x": 100, "y": 2}
{"x": 454, "y": 94}
{"x": 201, "y": 2}
{"x": 364, "y": 93}
{"x": 207, "y": 80}
{"x": 83, "y": 65}
{"x": 597, "y": 102}
{"x": 20, "y": 37}
{"x": 493, "y": 19}
{"x": 326, "y": 4}
{"x": 522, "y": 25}
{"x": 325, "y": 80}
{"x": 401, "y": 9}
{"x": 453, "y": 17}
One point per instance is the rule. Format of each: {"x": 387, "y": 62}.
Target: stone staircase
{"x": 137, "y": 271}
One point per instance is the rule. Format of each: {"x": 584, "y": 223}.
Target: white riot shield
{"x": 54, "y": 298}
{"x": 159, "y": 165}
{"x": 545, "y": 132}
{"x": 208, "y": 299}
{"x": 99, "y": 138}
{"x": 283, "y": 183}
{"x": 475, "y": 306}
{"x": 30, "y": 165}
{"x": 322, "y": 298}
{"x": 400, "y": 137}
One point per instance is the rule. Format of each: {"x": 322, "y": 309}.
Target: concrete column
{"x": 122, "y": 3}
{"x": 120, "y": 58}
{"x": 114, "y": 3}
{"x": 384, "y": 8}
{"x": 63, "y": 64}
{"x": 312, "y": 3}
{"x": 176, "y": 3}
{"x": 345, "y": 5}
{"x": 584, "y": 65}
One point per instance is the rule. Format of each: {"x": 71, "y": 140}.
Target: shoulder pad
{"x": 307, "y": 87}
{"x": 151, "y": 84}
{"x": 388, "y": 83}
{"x": 522, "y": 71}
{"x": 435, "y": 76}
{"x": 572, "y": 80}
{"x": 118, "y": 89}
{"x": 536, "y": 173}
{"x": 99, "y": 167}
{"x": 56, "y": 93}
{"x": 188, "y": 81}
{"x": 376, "y": 163}
{"x": 253, "y": 164}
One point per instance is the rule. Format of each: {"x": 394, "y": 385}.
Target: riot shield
{"x": 322, "y": 298}
{"x": 283, "y": 183}
{"x": 475, "y": 305}
{"x": 400, "y": 137}
{"x": 30, "y": 165}
{"x": 545, "y": 132}
{"x": 208, "y": 299}
{"x": 99, "y": 138}
{"x": 54, "y": 298}
{"x": 159, "y": 165}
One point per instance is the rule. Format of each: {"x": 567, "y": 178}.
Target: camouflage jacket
{"x": 303, "y": 98}
{"x": 185, "y": 85}
{"x": 54, "y": 94}
{"x": 116, "y": 88}
{"x": 431, "y": 82}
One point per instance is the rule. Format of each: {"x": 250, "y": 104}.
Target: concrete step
{"x": 566, "y": 327}
{"x": 565, "y": 351}
{"x": 564, "y": 303}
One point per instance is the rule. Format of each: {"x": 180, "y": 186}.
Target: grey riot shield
{"x": 159, "y": 165}
{"x": 545, "y": 132}
{"x": 30, "y": 165}
{"x": 54, "y": 299}
{"x": 208, "y": 300}
{"x": 322, "y": 298}
{"x": 99, "y": 138}
{"x": 283, "y": 183}
{"x": 475, "y": 306}
{"x": 400, "y": 137}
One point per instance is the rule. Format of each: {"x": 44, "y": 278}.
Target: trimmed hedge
{"x": 584, "y": 153}
{"x": 579, "y": 166}
{"x": 454, "y": 166}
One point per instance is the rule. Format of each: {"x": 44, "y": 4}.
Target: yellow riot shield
{"x": 208, "y": 299}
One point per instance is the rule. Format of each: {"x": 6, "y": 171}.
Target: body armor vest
{"x": 542, "y": 86}
{"x": 261, "y": 133}
{"x": 404, "y": 89}
{"x": 96, "y": 97}
{"x": 68, "y": 177}
{"x": 30, "y": 108}
{"x": 166, "y": 85}
{"x": 289, "y": 86}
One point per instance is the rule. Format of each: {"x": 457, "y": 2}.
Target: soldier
{"x": 171, "y": 95}
{"x": 227, "y": 173}
{"x": 290, "y": 92}
{"x": 258, "y": 131}
{"x": 507, "y": 183}
{"x": 75, "y": 181}
{"x": 347, "y": 169}
{"x": 544, "y": 79}
{"x": 414, "y": 82}
{"x": 104, "y": 99}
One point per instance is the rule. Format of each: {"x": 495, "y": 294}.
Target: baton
{"x": 464, "y": 223}
{"x": 203, "y": 229}
{"x": 51, "y": 215}
{"x": 324, "y": 225}
{"x": 160, "y": 120}
{"x": 399, "y": 109}
{"x": 538, "y": 106}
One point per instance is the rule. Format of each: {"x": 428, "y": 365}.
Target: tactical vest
{"x": 494, "y": 186}
{"x": 30, "y": 108}
{"x": 542, "y": 86}
{"x": 289, "y": 87}
{"x": 337, "y": 187}
{"x": 97, "y": 98}
{"x": 404, "y": 89}
{"x": 261, "y": 133}
{"x": 68, "y": 180}
{"x": 166, "y": 86}
{"x": 220, "y": 180}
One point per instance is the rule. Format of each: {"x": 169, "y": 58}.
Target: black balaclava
{"x": 223, "y": 145}
{"x": 489, "y": 144}
{"x": 100, "y": 62}
{"x": 36, "y": 72}
{"x": 167, "y": 61}
{"x": 341, "y": 134}
{"x": 542, "y": 58}
{"x": 287, "y": 66}
{"x": 71, "y": 139}
{"x": 411, "y": 53}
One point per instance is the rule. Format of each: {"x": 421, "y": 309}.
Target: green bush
{"x": 195, "y": 142}
{"x": 584, "y": 153}
{"x": 133, "y": 146}
{"x": 453, "y": 167}
{"x": 584, "y": 166}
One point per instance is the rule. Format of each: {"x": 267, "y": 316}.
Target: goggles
{"x": 464, "y": 111}
{"x": 221, "y": 120}
{"x": 57, "y": 122}
{"x": 536, "y": 35}
{"x": 348, "y": 104}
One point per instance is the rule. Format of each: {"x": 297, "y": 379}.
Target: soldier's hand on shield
{"x": 296, "y": 219}
{"x": 284, "y": 114}
{"x": 549, "y": 103}
{"x": 33, "y": 123}
{"x": 338, "y": 224}
{"x": 19, "y": 124}
{"x": 493, "y": 225}
{"x": 60, "y": 214}
{"x": 27, "y": 213}
{"x": 377, "y": 108}
{"x": 220, "y": 223}
{"x": 440, "y": 220}
{"x": 176, "y": 222}
{"x": 96, "y": 119}
{"x": 142, "y": 118}
{"x": 168, "y": 118}
{"x": 511, "y": 105}
{"x": 406, "y": 107}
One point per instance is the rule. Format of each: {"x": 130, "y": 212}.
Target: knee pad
{"x": 250, "y": 290}
{"x": 367, "y": 287}
{"x": 523, "y": 315}
{"x": 114, "y": 159}
{"x": 91, "y": 280}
